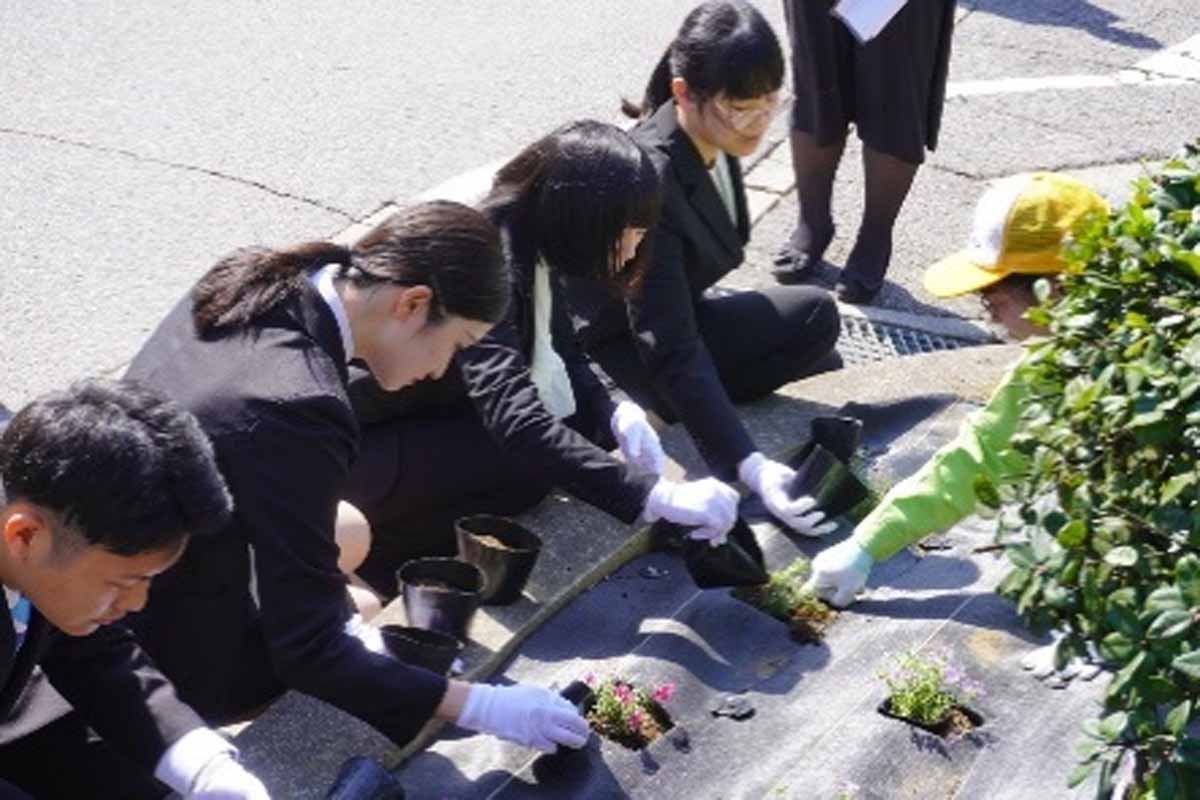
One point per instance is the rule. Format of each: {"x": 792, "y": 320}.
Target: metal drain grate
{"x": 864, "y": 342}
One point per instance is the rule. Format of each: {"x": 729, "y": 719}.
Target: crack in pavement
{"x": 212, "y": 173}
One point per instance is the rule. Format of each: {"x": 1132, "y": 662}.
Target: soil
{"x": 954, "y": 724}
{"x": 437, "y": 586}
{"x": 807, "y": 625}
{"x": 496, "y": 544}
{"x": 658, "y": 723}
{"x": 958, "y": 721}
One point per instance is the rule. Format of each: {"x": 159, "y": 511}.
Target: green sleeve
{"x": 942, "y": 492}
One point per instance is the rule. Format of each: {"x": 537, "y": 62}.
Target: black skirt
{"x": 892, "y": 88}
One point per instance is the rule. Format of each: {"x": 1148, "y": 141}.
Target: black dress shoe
{"x": 798, "y": 264}
{"x": 855, "y": 293}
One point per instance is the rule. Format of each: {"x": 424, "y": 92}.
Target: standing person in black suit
{"x": 103, "y": 485}
{"x": 522, "y": 410}
{"x": 675, "y": 345}
{"x": 258, "y": 351}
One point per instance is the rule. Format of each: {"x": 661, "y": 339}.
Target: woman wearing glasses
{"x": 676, "y": 345}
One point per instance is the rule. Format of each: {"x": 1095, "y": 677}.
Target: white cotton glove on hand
{"x": 528, "y": 715}
{"x": 637, "y": 438}
{"x": 708, "y": 505}
{"x": 223, "y": 778}
{"x": 840, "y": 572}
{"x": 770, "y": 480}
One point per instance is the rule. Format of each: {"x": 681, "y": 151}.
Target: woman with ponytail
{"x": 258, "y": 351}
{"x": 522, "y": 411}
{"x": 677, "y": 345}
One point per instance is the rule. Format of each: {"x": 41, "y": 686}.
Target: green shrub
{"x": 925, "y": 688}
{"x": 1104, "y": 533}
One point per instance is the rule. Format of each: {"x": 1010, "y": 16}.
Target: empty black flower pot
{"x": 362, "y": 778}
{"x": 433, "y": 650}
{"x": 738, "y": 562}
{"x": 504, "y": 551}
{"x": 826, "y": 478}
{"x": 441, "y": 594}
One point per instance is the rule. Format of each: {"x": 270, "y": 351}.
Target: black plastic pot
{"x": 738, "y": 562}
{"x": 433, "y": 650}
{"x": 447, "y": 606}
{"x": 580, "y": 695}
{"x": 505, "y": 569}
{"x": 827, "y": 479}
{"x": 362, "y": 778}
{"x": 942, "y": 729}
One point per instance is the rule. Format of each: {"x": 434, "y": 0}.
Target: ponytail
{"x": 250, "y": 282}
{"x": 446, "y": 246}
{"x": 658, "y": 90}
{"x": 723, "y": 47}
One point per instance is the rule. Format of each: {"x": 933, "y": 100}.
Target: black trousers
{"x": 416, "y": 474}
{"x": 758, "y": 341}
{"x": 66, "y": 759}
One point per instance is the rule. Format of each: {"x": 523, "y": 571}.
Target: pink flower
{"x": 590, "y": 679}
{"x": 664, "y": 693}
{"x": 623, "y": 693}
{"x": 634, "y": 721}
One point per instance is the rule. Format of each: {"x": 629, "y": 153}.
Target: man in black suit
{"x": 102, "y": 486}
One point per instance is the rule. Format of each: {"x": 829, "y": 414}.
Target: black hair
{"x": 569, "y": 196}
{"x": 120, "y": 466}
{"x": 723, "y": 47}
{"x": 449, "y": 247}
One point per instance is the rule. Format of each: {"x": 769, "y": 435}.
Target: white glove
{"x": 638, "y": 440}
{"x": 1041, "y": 662}
{"x": 528, "y": 715}
{"x": 708, "y": 505}
{"x": 223, "y": 778}
{"x": 840, "y": 572}
{"x": 770, "y": 480}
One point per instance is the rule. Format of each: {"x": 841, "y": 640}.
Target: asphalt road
{"x": 140, "y": 141}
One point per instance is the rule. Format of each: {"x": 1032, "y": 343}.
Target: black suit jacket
{"x": 106, "y": 677}
{"x": 272, "y": 397}
{"x": 693, "y": 246}
{"x": 494, "y": 376}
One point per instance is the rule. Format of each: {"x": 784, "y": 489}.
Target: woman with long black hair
{"x": 676, "y": 345}
{"x": 258, "y": 351}
{"x": 522, "y": 410}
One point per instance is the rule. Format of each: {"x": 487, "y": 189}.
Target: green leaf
{"x": 1188, "y": 664}
{"x": 1187, "y": 751}
{"x": 1113, "y": 725}
{"x": 1165, "y": 598}
{"x": 1170, "y": 623}
{"x": 1021, "y": 555}
{"x": 1179, "y": 716}
{"x": 1124, "y": 556}
{"x": 1116, "y": 648}
{"x": 1172, "y": 488}
{"x": 1081, "y": 774}
{"x": 1191, "y": 353}
{"x": 1166, "y": 784}
{"x": 1073, "y": 534}
{"x": 1187, "y": 577}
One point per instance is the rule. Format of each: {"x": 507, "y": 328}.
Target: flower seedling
{"x": 627, "y": 714}
{"x": 784, "y": 597}
{"x": 931, "y": 693}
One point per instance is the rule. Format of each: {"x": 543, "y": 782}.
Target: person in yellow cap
{"x": 1019, "y": 229}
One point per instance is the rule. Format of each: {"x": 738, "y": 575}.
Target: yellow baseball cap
{"x": 1019, "y": 228}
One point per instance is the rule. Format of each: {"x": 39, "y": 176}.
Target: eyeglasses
{"x": 749, "y": 119}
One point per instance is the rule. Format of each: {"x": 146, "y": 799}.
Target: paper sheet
{"x": 866, "y": 18}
